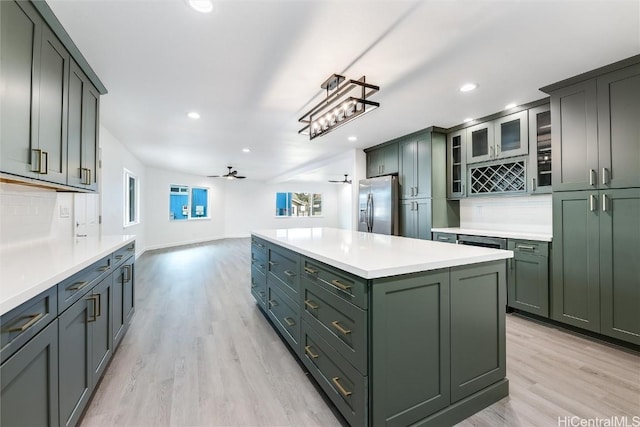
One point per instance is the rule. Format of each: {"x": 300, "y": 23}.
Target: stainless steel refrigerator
{"x": 378, "y": 205}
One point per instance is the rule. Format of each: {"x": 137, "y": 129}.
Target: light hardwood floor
{"x": 199, "y": 352}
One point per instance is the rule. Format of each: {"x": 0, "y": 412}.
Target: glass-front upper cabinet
{"x": 457, "y": 166}
{"x": 498, "y": 139}
{"x": 540, "y": 150}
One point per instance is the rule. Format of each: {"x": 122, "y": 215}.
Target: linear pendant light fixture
{"x": 345, "y": 101}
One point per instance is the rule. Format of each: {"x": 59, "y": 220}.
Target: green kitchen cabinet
{"x": 596, "y": 132}
{"x": 539, "y": 170}
{"x": 410, "y": 350}
{"x": 85, "y": 347}
{"x": 29, "y": 381}
{"x": 528, "y": 282}
{"x": 445, "y": 237}
{"x": 619, "y": 264}
{"x": 35, "y": 71}
{"x": 500, "y": 138}
{"x": 415, "y": 218}
{"x": 457, "y": 164}
{"x": 123, "y": 298}
{"x": 414, "y": 177}
{"x": 82, "y": 150}
{"x": 382, "y": 160}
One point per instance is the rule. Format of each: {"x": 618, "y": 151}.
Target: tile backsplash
{"x": 30, "y": 213}
{"x": 520, "y": 214}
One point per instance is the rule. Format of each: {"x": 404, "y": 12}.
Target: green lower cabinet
{"x": 30, "y": 382}
{"x": 415, "y": 218}
{"x": 409, "y": 348}
{"x": 528, "y": 283}
{"x": 478, "y": 357}
{"x": 285, "y": 314}
{"x": 620, "y": 264}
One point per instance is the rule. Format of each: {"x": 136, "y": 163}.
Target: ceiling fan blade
{"x": 332, "y": 180}
{"x": 239, "y": 177}
{"x": 213, "y": 176}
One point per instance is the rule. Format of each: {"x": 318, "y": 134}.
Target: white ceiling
{"x": 252, "y": 68}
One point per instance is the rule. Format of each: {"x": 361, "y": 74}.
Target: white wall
{"x": 162, "y": 232}
{"x": 115, "y": 158}
{"x": 250, "y": 205}
{"x": 348, "y": 194}
{"x": 522, "y": 213}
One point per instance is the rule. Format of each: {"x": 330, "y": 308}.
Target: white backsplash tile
{"x": 519, "y": 214}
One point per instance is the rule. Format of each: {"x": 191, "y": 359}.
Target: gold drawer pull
{"x": 131, "y": 249}
{"x": 311, "y": 305}
{"x": 340, "y": 285}
{"x": 289, "y": 321}
{"x": 261, "y": 293}
{"x": 253, "y": 284}
{"x": 261, "y": 266}
{"x": 526, "y": 247}
{"x": 272, "y": 263}
{"x": 273, "y": 303}
{"x": 77, "y": 286}
{"x": 336, "y": 381}
{"x": 103, "y": 269}
{"x": 94, "y": 316}
{"x": 126, "y": 273}
{"x": 119, "y": 257}
{"x": 32, "y": 321}
{"x": 289, "y": 273}
{"x": 310, "y": 270}
{"x": 307, "y": 349}
{"x": 340, "y": 328}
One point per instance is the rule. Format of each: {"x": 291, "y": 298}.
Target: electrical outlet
{"x": 64, "y": 212}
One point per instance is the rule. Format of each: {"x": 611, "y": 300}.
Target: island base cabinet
{"x": 478, "y": 356}
{"x": 30, "y": 382}
{"x": 410, "y": 348}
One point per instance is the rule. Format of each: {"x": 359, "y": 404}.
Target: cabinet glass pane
{"x": 456, "y": 164}
{"x": 543, "y": 132}
{"x": 510, "y": 135}
{"x": 480, "y": 142}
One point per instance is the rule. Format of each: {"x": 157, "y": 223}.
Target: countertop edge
{"x": 6, "y": 305}
{"x": 540, "y": 237}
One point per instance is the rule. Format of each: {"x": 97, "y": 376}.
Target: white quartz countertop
{"x": 542, "y": 237}
{"x": 372, "y": 256}
{"x": 28, "y": 269}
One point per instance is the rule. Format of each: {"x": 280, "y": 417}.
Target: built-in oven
{"x": 485, "y": 242}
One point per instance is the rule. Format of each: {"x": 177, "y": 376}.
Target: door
{"x": 129, "y": 290}
{"x": 540, "y": 154}
{"x": 77, "y": 82}
{"x": 480, "y": 143}
{"x": 423, "y": 218}
{"x": 619, "y": 266}
{"x": 101, "y": 337}
{"x": 374, "y": 163}
{"x": 53, "y": 110}
{"x": 576, "y": 276}
{"x": 407, "y": 179}
{"x": 364, "y": 195}
{"x": 30, "y": 382}
{"x": 574, "y": 137}
{"x": 619, "y": 128}
{"x": 511, "y": 135}
{"x": 90, "y": 136}
{"x": 19, "y": 60}
{"x": 423, "y": 167}
{"x": 528, "y": 282}
{"x": 382, "y": 202}
{"x": 456, "y": 145}
{"x": 389, "y": 161}
{"x": 118, "y": 326}
{"x": 408, "y": 223}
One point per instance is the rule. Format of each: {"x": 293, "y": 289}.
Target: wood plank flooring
{"x": 200, "y": 352}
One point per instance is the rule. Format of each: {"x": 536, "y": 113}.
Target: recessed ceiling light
{"x": 202, "y": 6}
{"x": 468, "y": 87}
{"x": 467, "y": 120}
{"x": 193, "y": 115}
{"x": 353, "y": 138}
{"x": 510, "y": 106}
{"x": 246, "y": 150}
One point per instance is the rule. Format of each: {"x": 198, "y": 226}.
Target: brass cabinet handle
{"x": 307, "y": 349}
{"x": 443, "y": 238}
{"x": 253, "y": 283}
{"x": 131, "y": 249}
{"x": 310, "y": 270}
{"x": 261, "y": 293}
{"x": 261, "y": 266}
{"x": 526, "y": 247}
{"x": 311, "y": 305}
{"x": 119, "y": 257}
{"x": 33, "y": 318}
{"x": 289, "y": 321}
{"x": 289, "y": 273}
{"x": 342, "y": 390}
{"x": 77, "y": 286}
{"x": 94, "y": 316}
{"x": 273, "y": 303}
{"x": 104, "y": 268}
{"x": 99, "y": 304}
{"x": 126, "y": 277}
{"x": 272, "y": 263}
{"x": 340, "y": 285}
{"x": 340, "y": 328}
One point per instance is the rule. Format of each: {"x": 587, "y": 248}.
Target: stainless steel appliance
{"x": 485, "y": 242}
{"x": 378, "y": 205}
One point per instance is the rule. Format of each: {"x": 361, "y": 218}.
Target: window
{"x": 131, "y": 199}
{"x": 298, "y": 204}
{"x": 188, "y": 203}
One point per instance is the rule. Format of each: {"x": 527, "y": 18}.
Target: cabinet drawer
{"x": 285, "y": 315}
{"x": 344, "y": 285}
{"x": 71, "y": 289}
{"x": 529, "y": 247}
{"x": 445, "y": 237}
{"x": 341, "y": 324}
{"x": 259, "y": 246}
{"x": 258, "y": 256}
{"x": 344, "y": 385}
{"x": 284, "y": 266}
{"x": 259, "y": 286}
{"x": 123, "y": 253}
{"x": 25, "y": 321}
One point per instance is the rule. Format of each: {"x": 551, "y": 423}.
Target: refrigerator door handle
{"x": 370, "y": 212}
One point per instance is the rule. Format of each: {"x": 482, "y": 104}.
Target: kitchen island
{"x": 396, "y": 331}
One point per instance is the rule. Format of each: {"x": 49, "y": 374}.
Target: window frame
{"x": 290, "y": 212}
{"x": 190, "y": 207}
{"x": 127, "y": 222}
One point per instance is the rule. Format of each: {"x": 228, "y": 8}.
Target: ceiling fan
{"x": 344, "y": 181}
{"x": 232, "y": 174}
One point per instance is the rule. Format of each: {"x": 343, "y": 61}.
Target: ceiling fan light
{"x": 202, "y": 6}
